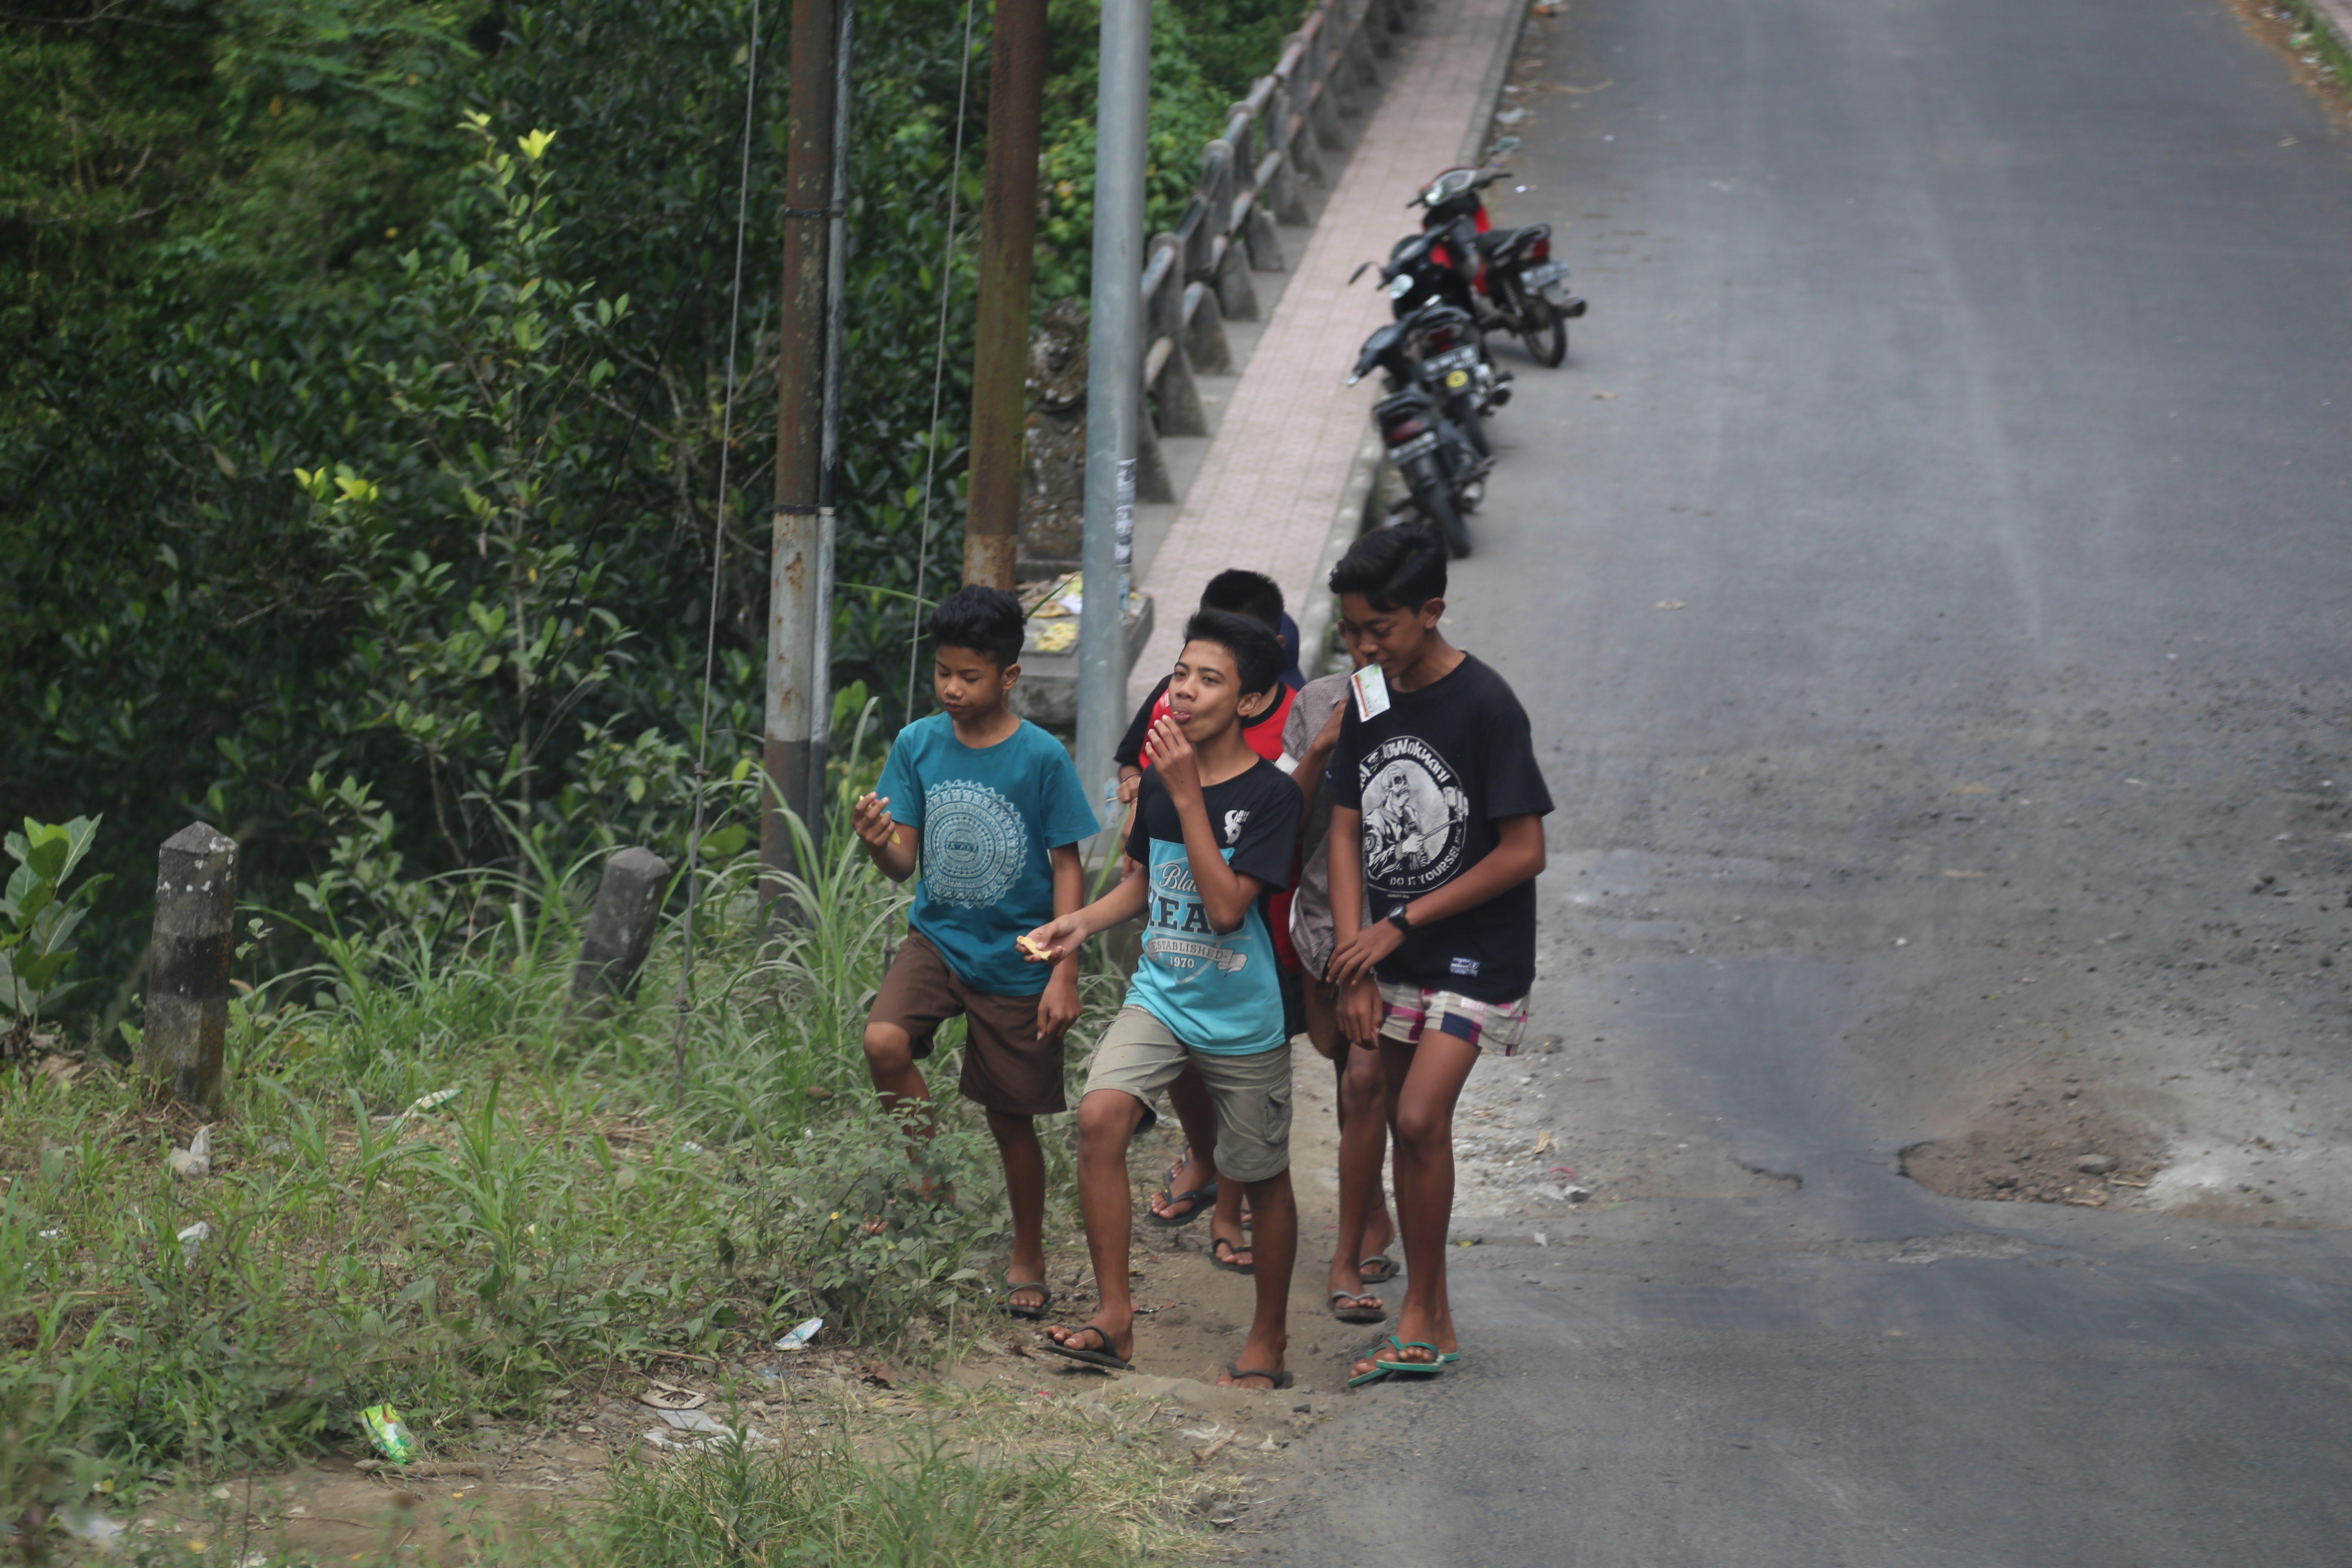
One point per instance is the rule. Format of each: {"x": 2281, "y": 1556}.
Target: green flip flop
{"x": 1373, "y": 1351}
{"x": 1430, "y": 1368}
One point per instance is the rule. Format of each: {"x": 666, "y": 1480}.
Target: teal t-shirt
{"x": 985, "y": 817}
{"x": 1218, "y": 992}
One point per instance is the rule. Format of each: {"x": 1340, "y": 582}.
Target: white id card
{"x": 1372, "y": 691}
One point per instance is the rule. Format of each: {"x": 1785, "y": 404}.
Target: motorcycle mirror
{"x": 1359, "y": 272}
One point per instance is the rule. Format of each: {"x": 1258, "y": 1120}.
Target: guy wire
{"x": 940, "y": 360}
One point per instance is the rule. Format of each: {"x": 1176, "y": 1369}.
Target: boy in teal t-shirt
{"x": 996, "y": 809}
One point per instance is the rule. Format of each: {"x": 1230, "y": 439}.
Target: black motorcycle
{"x": 1422, "y": 286}
{"x": 1508, "y": 273}
{"x": 1443, "y": 466}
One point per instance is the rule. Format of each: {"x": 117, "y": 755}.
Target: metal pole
{"x": 1008, "y": 237}
{"x": 1114, "y": 381}
{"x": 836, "y": 331}
{"x": 793, "y": 607}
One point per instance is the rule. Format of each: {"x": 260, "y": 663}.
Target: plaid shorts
{"x": 1407, "y": 1011}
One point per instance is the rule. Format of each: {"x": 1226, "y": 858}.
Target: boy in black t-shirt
{"x": 1437, "y": 810}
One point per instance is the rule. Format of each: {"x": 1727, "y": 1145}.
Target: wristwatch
{"x": 1396, "y": 917}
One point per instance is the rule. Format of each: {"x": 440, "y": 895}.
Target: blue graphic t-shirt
{"x": 1218, "y": 992}
{"x": 986, "y": 816}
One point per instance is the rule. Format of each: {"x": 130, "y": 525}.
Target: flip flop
{"x": 1448, "y": 1358}
{"x": 1202, "y": 1200}
{"x": 1217, "y": 1252}
{"x": 1375, "y": 1313}
{"x": 1377, "y": 1269}
{"x": 1033, "y": 1313}
{"x": 1104, "y": 1358}
{"x": 1430, "y": 1368}
{"x": 1280, "y": 1380}
{"x": 1377, "y": 1372}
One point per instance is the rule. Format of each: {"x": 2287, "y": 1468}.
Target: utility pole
{"x": 795, "y": 603}
{"x": 1114, "y": 382}
{"x": 1008, "y": 237}
{"x": 836, "y": 348}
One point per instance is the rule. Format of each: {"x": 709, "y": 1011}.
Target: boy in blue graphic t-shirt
{"x": 997, "y": 810}
{"x": 1216, "y": 824}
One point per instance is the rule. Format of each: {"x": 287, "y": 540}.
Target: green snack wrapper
{"x": 392, "y": 1438}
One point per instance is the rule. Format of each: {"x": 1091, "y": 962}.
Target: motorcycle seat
{"x": 1496, "y": 241}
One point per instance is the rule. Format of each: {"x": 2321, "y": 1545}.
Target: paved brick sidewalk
{"x": 1271, "y": 479}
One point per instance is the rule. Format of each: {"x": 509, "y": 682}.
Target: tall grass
{"x": 569, "y": 1211}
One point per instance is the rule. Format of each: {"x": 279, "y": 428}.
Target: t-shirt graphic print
{"x": 1416, "y": 817}
{"x": 985, "y": 817}
{"x": 974, "y": 843}
{"x": 1218, "y": 992}
{"x": 1431, "y": 776}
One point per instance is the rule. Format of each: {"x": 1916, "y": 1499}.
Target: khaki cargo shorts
{"x": 1140, "y": 1056}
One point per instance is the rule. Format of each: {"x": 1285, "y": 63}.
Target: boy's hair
{"x": 1257, "y": 651}
{"x": 985, "y": 620}
{"x": 1246, "y": 592}
{"x": 1393, "y": 568}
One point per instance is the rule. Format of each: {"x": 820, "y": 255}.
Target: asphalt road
{"x": 1976, "y": 384}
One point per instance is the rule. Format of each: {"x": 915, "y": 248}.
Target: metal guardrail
{"x": 1199, "y": 274}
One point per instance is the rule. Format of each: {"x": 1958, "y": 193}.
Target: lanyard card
{"x": 1372, "y": 691}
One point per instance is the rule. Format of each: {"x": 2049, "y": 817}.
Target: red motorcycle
{"x": 1513, "y": 281}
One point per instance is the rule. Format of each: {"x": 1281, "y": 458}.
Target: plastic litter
{"x": 196, "y": 1158}
{"x": 191, "y": 1236}
{"x": 425, "y": 1102}
{"x": 800, "y": 1337}
{"x": 95, "y": 1528}
{"x": 670, "y": 1397}
{"x": 390, "y": 1434}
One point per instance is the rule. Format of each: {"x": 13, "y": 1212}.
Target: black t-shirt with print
{"x": 1433, "y": 776}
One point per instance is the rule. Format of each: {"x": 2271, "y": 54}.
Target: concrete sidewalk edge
{"x": 1354, "y": 516}
{"x": 1490, "y": 91}
{"x": 1353, "y": 519}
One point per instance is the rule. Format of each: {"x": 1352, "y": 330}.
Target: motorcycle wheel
{"x": 1435, "y": 498}
{"x": 1544, "y": 331}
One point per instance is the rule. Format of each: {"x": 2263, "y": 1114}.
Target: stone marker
{"x": 620, "y": 928}
{"x": 187, "y": 974}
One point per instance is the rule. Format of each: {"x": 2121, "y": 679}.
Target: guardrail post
{"x": 1153, "y": 481}
{"x": 185, "y": 1043}
{"x": 1204, "y": 329}
{"x": 620, "y": 930}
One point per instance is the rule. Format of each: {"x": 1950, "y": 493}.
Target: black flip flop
{"x": 1382, "y": 1268}
{"x": 1217, "y": 1250}
{"x": 1033, "y": 1313}
{"x": 1280, "y": 1380}
{"x": 1202, "y": 1200}
{"x": 1375, "y": 1313}
{"x": 1104, "y": 1358}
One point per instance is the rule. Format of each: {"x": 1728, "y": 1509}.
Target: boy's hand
{"x": 1358, "y": 954}
{"x": 1050, "y": 943}
{"x": 1359, "y": 1014}
{"x": 1172, "y": 754}
{"x": 1326, "y": 740}
{"x": 1131, "y": 783}
{"x": 1058, "y": 1009}
{"x": 871, "y": 818}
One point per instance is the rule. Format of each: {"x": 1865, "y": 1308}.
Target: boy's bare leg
{"x": 1188, "y": 1097}
{"x": 1107, "y": 1121}
{"x": 1423, "y": 1082}
{"x": 1364, "y": 1226}
{"x": 890, "y": 1063}
{"x": 1025, "y": 1189}
{"x": 1275, "y": 1209}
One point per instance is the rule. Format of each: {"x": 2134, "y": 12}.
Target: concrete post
{"x": 187, "y": 975}
{"x": 620, "y": 930}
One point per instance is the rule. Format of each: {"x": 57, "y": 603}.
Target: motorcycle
{"x": 1426, "y": 289}
{"x": 1510, "y": 275}
{"x": 1442, "y": 465}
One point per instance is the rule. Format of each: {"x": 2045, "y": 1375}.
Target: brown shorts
{"x": 1006, "y": 1066}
